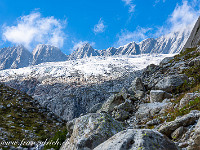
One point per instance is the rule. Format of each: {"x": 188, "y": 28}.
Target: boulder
{"x": 169, "y": 127}
{"x": 137, "y": 85}
{"x": 150, "y": 69}
{"x": 187, "y": 98}
{"x": 158, "y": 95}
{"x": 195, "y": 144}
{"x": 137, "y": 139}
{"x": 139, "y": 94}
{"x": 178, "y": 132}
{"x": 122, "y": 111}
{"x": 91, "y": 130}
{"x": 171, "y": 82}
{"x": 166, "y": 60}
{"x": 112, "y": 101}
{"x": 195, "y": 62}
{"x": 148, "y": 110}
{"x": 95, "y": 108}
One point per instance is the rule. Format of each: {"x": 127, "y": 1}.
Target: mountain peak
{"x": 14, "y": 57}
{"x": 47, "y": 53}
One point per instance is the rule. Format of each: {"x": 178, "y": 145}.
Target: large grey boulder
{"x": 166, "y": 60}
{"x": 112, "y": 101}
{"x": 137, "y": 139}
{"x": 195, "y": 62}
{"x": 138, "y": 88}
{"x": 148, "y": 110}
{"x": 195, "y": 139}
{"x": 158, "y": 96}
{"x": 91, "y": 130}
{"x": 171, "y": 82}
{"x": 169, "y": 127}
{"x": 137, "y": 84}
{"x": 187, "y": 98}
{"x": 123, "y": 111}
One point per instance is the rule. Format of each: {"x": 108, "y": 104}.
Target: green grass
{"x": 192, "y": 105}
{"x": 59, "y": 136}
{"x": 23, "y": 118}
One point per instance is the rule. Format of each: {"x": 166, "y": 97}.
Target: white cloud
{"x": 100, "y": 27}
{"x": 138, "y": 35}
{"x": 80, "y": 44}
{"x": 34, "y": 29}
{"x": 130, "y": 4}
{"x": 182, "y": 18}
{"x": 157, "y": 1}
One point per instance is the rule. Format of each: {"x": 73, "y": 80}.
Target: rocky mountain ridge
{"x": 168, "y": 44}
{"x": 19, "y": 56}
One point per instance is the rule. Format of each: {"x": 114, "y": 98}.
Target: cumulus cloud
{"x": 34, "y": 29}
{"x": 100, "y": 27}
{"x": 137, "y": 35}
{"x": 130, "y": 4}
{"x": 182, "y": 18}
{"x": 80, "y": 44}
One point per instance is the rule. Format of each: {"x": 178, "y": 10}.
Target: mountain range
{"x": 18, "y": 56}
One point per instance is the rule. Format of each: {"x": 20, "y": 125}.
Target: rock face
{"x": 184, "y": 121}
{"x": 14, "y": 57}
{"x": 171, "y": 43}
{"x": 171, "y": 82}
{"x": 195, "y": 144}
{"x": 148, "y": 110}
{"x": 158, "y": 95}
{"x": 132, "y": 139}
{"x": 91, "y": 130}
{"x": 187, "y": 98}
{"x": 194, "y": 37}
{"x": 19, "y": 56}
{"x": 47, "y": 53}
{"x": 85, "y": 51}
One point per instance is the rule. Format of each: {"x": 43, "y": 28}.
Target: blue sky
{"x": 68, "y": 24}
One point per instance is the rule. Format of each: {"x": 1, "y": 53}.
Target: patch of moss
{"x": 22, "y": 119}
{"x": 58, "y": 138}
{"x": 192, "y": 105}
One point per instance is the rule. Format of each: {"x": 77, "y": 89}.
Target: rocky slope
{"x": 23, "y": 118}
{"x": 159, "y": 110}
{"x": 73, "y": 87}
